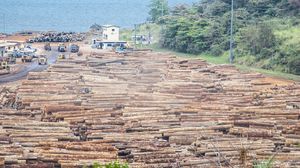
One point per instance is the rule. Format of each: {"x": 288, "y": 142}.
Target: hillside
{"x": 266, "y": 32}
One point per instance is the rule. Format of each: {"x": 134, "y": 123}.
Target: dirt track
{"x": 24, "y": 69}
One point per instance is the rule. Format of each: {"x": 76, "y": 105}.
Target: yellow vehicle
{"x": 4, "y": 65}
{"x": 61, "y": 56}
{"x": 42, "y": 60}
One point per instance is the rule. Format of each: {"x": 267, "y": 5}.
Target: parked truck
{"x": 27, "y": 58}
{"x": 11, "y": 59}
{"x": 62, "y": 47}
{"x": 61, "y": 56}
{"x": 42, "y": 60}
{"x": 74, "y": 48}
{"x": 4, "y": 66}
{"x": 47, "y": 47}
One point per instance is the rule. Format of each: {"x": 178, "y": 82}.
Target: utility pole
{"x": 149, "y": 33}
{"x": 162, "y": 12}
{"x": 135, "y": 36}
{"x": 4, "y": 23}
{"x": 162, "y": 8}
{"x": 231, "y": 57}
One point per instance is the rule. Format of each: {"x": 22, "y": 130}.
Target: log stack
{"x": 151, "y": 110}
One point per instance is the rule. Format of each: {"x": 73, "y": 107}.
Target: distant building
{"x": 110, "y": 33}
{"x": 142, "y": 39}
{"x": 107, "y": 37}
{"x": 7, "y": 47}
{"x": 95, "y": 27}
{"x": 11, "y": 46}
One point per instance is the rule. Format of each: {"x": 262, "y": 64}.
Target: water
{"x": 72, "y": 15}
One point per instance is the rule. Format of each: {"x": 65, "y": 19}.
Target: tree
{"x": 259, "y": 40}
{"x": 158, "y": 8}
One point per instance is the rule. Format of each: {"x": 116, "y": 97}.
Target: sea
{"x": 73, "y": 15}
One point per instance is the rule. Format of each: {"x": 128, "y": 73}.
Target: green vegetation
{"x": 158, "y": 8}
{"x": 223, "y": 59}
{"x": 266, "y": 32}
{"x": 142, "y": 29}
{"x": 115, "y": 164}
{"x": 265, "y": 164}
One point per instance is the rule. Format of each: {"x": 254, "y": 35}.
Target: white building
{"x": 110, "y": 33}
{"x": 108, "y": 37}
{"x": 7, "y": 47}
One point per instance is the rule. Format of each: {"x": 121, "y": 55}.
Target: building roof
{"x": 113, "y": 41}
{"x": 8, "y": 44}
{"x": 110, "y": 41}
{"x": 107, "y": 26}
{"x": 95, "y": 27}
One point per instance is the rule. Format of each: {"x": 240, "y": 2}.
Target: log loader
{"x": 4, "y": 66}
{"x": 74, "y": 48}
{"x": 42, "y": 60}
{"x": 47, "y": 47}
{"x": 27, "y": 58}
{"x": 62, "y": 47}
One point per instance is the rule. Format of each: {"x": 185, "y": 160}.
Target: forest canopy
{"x": 266, "y": 32}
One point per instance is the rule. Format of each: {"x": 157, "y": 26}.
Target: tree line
{"x": 262, "y": 30}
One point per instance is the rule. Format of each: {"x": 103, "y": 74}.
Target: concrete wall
{"x": 111, "y": 33}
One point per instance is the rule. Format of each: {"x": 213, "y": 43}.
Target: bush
{"x": 216, "y": 50}
{"x": 115, "y": 164}
{"x": 294, "y": 66}
{"x": 265, "y": 164}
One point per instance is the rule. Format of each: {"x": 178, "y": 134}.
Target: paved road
{"x": 30, "y": 67}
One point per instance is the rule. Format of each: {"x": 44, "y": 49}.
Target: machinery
{"x": 79, "y": 54}
{"x": 62, "y": 47}
{"x": 27, "y": 58}
{"x": 11, "y": 59}
{"x": 4, "y": 65}
{"x": 47, "y": 47}
{"x": 122, "y": 50}
{"x": 61, "y": 56}
{"x": 42, "y": 60}
{"x": 74, "y": 48}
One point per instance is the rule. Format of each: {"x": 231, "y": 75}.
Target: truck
{"x": 62, "y": 47}
{"x": 4, "y": 66}
{"x": 27, "y": 58}
{"x": 42, "y": 60}
{"x": 10, "y": 59}
{"x": 61, "y": 56}
{"x": 74, "y": 48}
{"x": 123, "y": 50}
{"x": 47, "y": 47}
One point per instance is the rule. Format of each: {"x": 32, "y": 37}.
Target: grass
{"x": 290, "y": 35}
{"x": 276, "y": 74}
{"x": 265, "y": 164}
{"x": 224, "y": 60}
{"x": 115, "y": 164}
{"x": 142, "y": 29}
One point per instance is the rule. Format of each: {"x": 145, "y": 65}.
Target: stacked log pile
{"x": 28, "y": 142}
{"x": 153, "y": 110}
